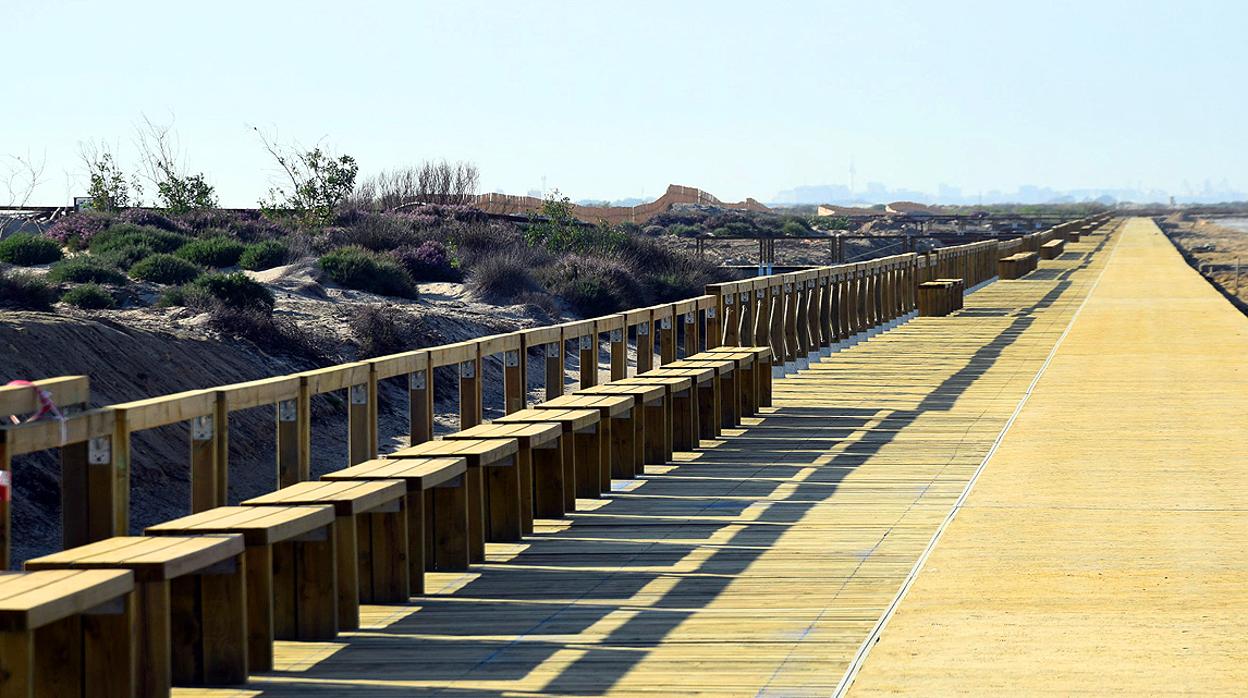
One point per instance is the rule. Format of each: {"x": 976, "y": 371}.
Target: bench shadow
{"x": 587, "y": 603}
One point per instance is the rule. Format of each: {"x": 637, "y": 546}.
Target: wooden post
{"x": 827, "y": 331}
{"x": 513, "y": 380}
{"x": 357, "y": 424}
{"x": 619, "y": 354}
{"x": 716, "y": 316}
{"x": 287, "y": 415}
{"x": 221, "y": 432}
{"x": 776, "y": 324}
{"x": 792, "y": 321}
{"x": 554, "y": 369}
{"x": 420, "y": 406}
{"x": 203, "y": 464}
{"x": 745, "y": 307}
{"x": 589, "y": 360}
{"x": 667, "y": 340}
{"x": 691, "y": 332}
{"x": 470, "y": 393}
{"x": 645, "y": 347}
{"x": 120, "y": 468}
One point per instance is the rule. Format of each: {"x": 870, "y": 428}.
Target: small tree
{"x": 319, "y": 182}
{"x": 110, "y": 189}
{"x": 177, "y": 191}
{"x": 22, "y": 175}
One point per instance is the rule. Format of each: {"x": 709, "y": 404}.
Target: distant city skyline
{"x": 878, "y": 193}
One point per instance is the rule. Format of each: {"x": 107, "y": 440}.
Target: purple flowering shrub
{"x": 77, "y": 229}
{"x": 428, "y": 261}
{"x": 141, "y": 216}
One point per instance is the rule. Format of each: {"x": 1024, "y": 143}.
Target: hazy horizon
{"x": 619, "y": 101}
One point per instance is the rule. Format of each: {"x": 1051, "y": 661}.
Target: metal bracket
{"x": 416, "y": 380}
{"x": 710, "y": 313}
{"x": 745, "y": 296}
{"x": 760, "y": 293}
{"x": 729, "y": 299}
{"x": 467, "y": 369}
{"x": 511, "y": 359}
{"x": 359, "y": 394}
{"x": 99, "y": 450}
{"x": 286, "y": 411}
{"x": 788, "y": 288}
{"x": 665, "y": 323}
{"x": 690, "y": 318}
{"x": 617, "y": 336}
{"x": 643, "y": 328}
{"x": 201, "y": 427}
{"x": 552, "y": 350}
{"x": 587, "y": 342}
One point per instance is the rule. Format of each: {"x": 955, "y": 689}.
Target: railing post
{"x": 717, "y": 320}
{"x": 470, "y": 393}
{"x": 619, "y": 353}
{"x": 776, "y": 310}
{"x": 221, "y": 424}
{"x": 120, "y": 470}
{"x": 420, "y": 406}
{"x": 357, "y": 424}
{"x": 667, "y": 340}
{"x": 588, "y": 361}
{"x": 645, "y": 347}
{"x": 554, "y": 369}
{"x": 513, "y": 379}
{"x": 203, "y": 464}
{"x": 745, "y": 336}
{"x": 691, "y": 332}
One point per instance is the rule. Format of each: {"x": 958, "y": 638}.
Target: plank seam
{"x": 873, "y": 637}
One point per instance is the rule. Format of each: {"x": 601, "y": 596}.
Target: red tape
{"x": 6, "y": 485}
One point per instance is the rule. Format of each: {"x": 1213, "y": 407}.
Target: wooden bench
{"x": 936, "y": 298}
{"x": 508, "y": 489}
{"x": 702, "y": 400}
{"x": 650, "y": 415}
{"x": 762, "y": 367}
{"x": 746, "y": 379}
{"x": 1052, "y": 249}
{"x": 292, "y": 590}
{"x": 620, "y": 428}
{"x": 1017, "y": 265}
{"x": 67, "y": 633}
{"x": 1072, "y": 235}
{"x": 370, "y": 538}
{"x": 581, "y": 451}
{"x": 437, "y": 510}
{"x": 677, "y": 394}
{"x": 726, "y": 410}
{"x": 957, "y": 295}
{"x": 477, "y": 454}
{"x": 190, "y": 620}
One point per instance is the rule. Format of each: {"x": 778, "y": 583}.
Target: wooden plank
{"x": 64, "y": 390}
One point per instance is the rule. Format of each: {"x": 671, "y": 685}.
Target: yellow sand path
{"x": 1104, "y": 548}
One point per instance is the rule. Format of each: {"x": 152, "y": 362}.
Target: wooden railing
{"x": 799, "y": 315}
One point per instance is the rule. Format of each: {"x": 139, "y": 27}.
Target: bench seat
{"x": 186, "y": 587}
{"x": 478, "y": 454}
{"x": 620, "y": 431}
{"x": 651, "y": 412}
{"x": 291, "y": 572}
{"x": 509, "y": 491}
{"x": 581, "y": 451}
{"x": 67, "y": 632}
{"x": 437, "y": 510}
{"x": 370, "y": 538}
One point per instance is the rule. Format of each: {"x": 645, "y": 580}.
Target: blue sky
{"x": 613, "y": 100}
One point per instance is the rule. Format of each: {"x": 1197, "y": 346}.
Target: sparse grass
{"x": 21, "y": 290}
{"x": 503, "y": 277}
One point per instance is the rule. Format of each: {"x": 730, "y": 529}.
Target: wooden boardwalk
{"x": 1104, "y": 549}
{"x": 756, "y": 565}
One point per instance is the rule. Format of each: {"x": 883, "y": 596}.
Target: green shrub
{"x": 84, "y": 269}
{"x": 236, "y": 290}
{"x": 264, "y": 255}
{"x": 172, "y": 297}
{"x": 355, "y": 267}
{"x": 26, "y": 249}
{"x": 215, "y": 252}
{"x": 23, "y": 291}
{"x": 595, "y": 285}
{"x": 90, "y": 297}
{"x": 165, "y": 269}
{"x": 127, "y": 244}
